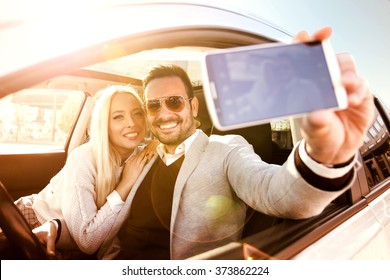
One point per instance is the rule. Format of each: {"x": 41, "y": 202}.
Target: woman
{"x": 90, "y": 190}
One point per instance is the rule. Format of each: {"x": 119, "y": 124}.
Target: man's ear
{"x": 194, "y": 106}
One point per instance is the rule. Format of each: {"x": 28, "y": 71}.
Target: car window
{"x": 376, "y": 153}
{"x": 281, "y": 134}
{"x": 282, "y": 140}
{"x": 37, "y": 120}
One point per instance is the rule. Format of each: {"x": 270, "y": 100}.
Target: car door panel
{"x": 25, "y": 174}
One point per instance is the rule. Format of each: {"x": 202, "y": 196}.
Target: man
{"x": 193, "y": 195}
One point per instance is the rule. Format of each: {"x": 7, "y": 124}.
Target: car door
{"x": 35, "y": 131}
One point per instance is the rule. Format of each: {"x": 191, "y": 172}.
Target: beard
{"x": 176, "y": 136}
{"x": 171, "y": 138}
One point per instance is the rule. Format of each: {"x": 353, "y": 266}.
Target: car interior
{"x": 68, "y": 104}
{"x": 84, "y": 83}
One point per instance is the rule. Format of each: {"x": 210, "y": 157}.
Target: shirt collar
{"x": 168, "y": 158}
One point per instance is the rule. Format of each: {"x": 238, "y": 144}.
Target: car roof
{"x": 48, "y": 38}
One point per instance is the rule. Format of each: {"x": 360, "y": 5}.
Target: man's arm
{"x": 327, "y": 178}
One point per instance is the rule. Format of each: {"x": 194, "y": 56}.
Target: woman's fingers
{"x": 46, "y": 234}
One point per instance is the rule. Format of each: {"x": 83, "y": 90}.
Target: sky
{"x": 360, "y": 27}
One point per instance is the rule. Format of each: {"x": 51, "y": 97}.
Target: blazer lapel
{"x": 190, "y": 162}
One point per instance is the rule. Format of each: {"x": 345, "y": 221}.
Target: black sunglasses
{"x": 174, "y": 103}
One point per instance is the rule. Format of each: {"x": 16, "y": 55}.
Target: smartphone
{"x": 245, "y": 86}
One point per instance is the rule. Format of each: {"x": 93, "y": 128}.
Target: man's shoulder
{"x": 227, "y": 139}
{"x": 216, "y": 142}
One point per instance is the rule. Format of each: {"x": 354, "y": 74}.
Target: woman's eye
{"x": 118, "y": 117}
{"x": 139, "y": 113}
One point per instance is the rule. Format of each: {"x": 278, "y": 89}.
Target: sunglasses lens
{"x": 153, "y": 106}
{"x": 175, "y": 103}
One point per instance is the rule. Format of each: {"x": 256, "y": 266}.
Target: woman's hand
{"x": 47, "y": 234}
{"x": 134, "y": 167}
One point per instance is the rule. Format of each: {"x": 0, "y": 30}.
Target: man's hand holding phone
{"x": 333, "y": 137}
{"x": 251, "y": 85}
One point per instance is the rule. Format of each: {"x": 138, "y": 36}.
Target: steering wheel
{"x": 17, "y": 230}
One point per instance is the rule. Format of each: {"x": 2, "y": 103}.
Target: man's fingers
{"x": 322, "y": 34}
{"x": 357, "y": 87}
{"x": 302, "y": 36}
{"x": 346, "y": 62}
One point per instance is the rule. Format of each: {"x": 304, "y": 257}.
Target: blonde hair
{"x": 106, "y": 156}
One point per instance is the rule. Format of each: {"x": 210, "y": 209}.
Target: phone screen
{"x": 269, "y": 83}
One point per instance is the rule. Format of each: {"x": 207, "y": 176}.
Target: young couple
{"x": 174, "y": 210}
